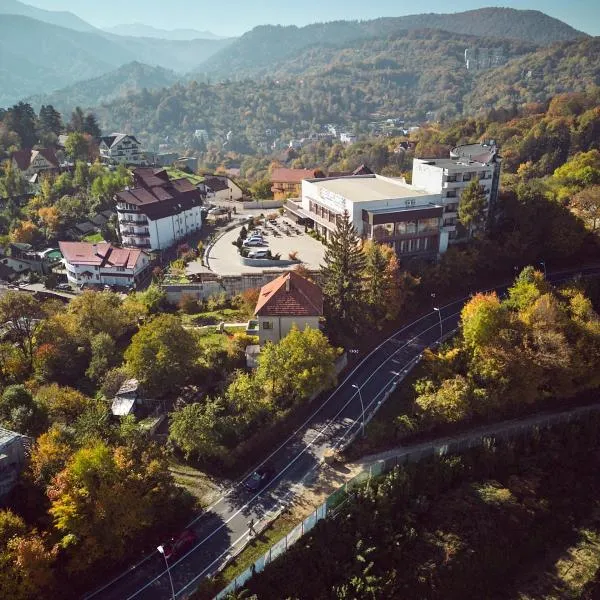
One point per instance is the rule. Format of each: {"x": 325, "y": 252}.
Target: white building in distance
{"x": 158, "y": 212}
{"x": 121, "y": 149}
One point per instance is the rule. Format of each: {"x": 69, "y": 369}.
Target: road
{"x": 223, "y": 527}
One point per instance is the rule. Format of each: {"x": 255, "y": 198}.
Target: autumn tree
{"x": 341, "y": 272}
{"x": 449, "y": 403}
{"x": 471, "y": 206}
{"x": 50, "y": 454}
{"x": 162, "y": 354}
{"x": 586, "y": 205}
{"x": 62, "y": 403}
{"x": 20, "y": 412}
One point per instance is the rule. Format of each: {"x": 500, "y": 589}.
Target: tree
{"x": 90, "y": 126}
{"x": 162, "y": 354}
{"x": 21, "y": 119}
{"x": 25, "y": 232}
{"x": 20, "y": 314}
{"x": 586, "y": 205}
{"x": 77, "y": 120}
{"x": 62, "y": 403}
{"x": 261, "y": 189}
{"x": 343, "y": 265}
{"x": 104, "y": 356}
{"x": 19, "y": 411}
{"x": 76, "y": 146}
{"x": 49, "y": 455}
{"x": 481, "y": 319}
{"x": 12, "y": 182}
{"x": 50, "y": 120}
{"x": 471, "y": 205}
{"x": 449, "y": 403}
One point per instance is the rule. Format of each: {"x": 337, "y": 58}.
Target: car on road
{"x": 65, "y": 287}
{"x": 259, "y": 254}
{"x": 177, "y": 546}
{"x": 253, "y": 242}
{"x": 217, "y": 210}
{"x": 259, "y": 479}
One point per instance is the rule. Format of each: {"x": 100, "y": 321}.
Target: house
{"x": 449, "y": 176}
{"x": 386, "y": 209}
{"x": 158, "y": 211}
{"x": 104, "y": 264}
{"x": 287, "y": 183}
{"x": 130, "y": 399}
{"x": 288, "y": 301}
{"x": 32, "y": 163}
{"x": 121, "y": 149}
{"x": 13, "y": 454}
{"x": 222, "y": 187}
{"x": 21, "y": 258}
{"x": 347, "y": 138}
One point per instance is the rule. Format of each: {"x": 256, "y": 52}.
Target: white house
{"x": 103, "y": 264}
{"x": 288, "y": 301}
{"x": 347, "y": 138}
{"x": 13, "y": 452}
{"x": 449, "y": 176}
{"x": 120, "y": 148}
{"x": 158, "y": 211}
{"x": 222, "y": 187}
{"x": 35, "y": 162}
{"x": 386, "y": 209}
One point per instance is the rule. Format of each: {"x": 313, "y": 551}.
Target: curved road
{"x": 223, "y": 528}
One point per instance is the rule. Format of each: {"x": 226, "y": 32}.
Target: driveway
{"x": 223, "y": 527}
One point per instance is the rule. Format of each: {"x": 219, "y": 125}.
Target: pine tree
{"x": 342, "y": 271}
{"x": 471, "y": 205}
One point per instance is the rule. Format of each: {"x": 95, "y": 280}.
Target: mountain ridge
{"x": 53, "y": 17}
{"x": 148, "y": 31}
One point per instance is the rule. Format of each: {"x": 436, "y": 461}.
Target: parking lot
{"x": 281, "y": 238}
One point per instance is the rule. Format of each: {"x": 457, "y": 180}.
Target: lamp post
{"x": 543, "y": 263}
{"x": 439, "y": 312}
{"x": 362, "y": 407}
{"x": 161, "y": 549}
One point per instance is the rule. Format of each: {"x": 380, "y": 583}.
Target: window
{"x": 466, "y": 176}
{"x": 451, "y": 178}
{"x": 430, "y": 224}
{"x": 451, "y": 194}
{"x": 267, "y": 325}
{"x": 383, "y": 231}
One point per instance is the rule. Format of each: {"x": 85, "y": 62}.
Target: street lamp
{"x": 439, "y": 312}
{"x": 362, "y": 407}
{"x": 544, "y": 265}
{"x": 161, "y": 549}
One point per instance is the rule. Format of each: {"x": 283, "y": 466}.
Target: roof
{"x": 122, "y": 406}
{"x": 99, "y": 220}
{"x": 290, "y": 295}
{"x": 216, "y": 184}
{"x": 482, "y": 153}
{"x": 85, "y": 227}
{"x": 283, "y": 175}
{"x": 7, "y": 436}
{"x": 365, "y": 188}
{"x": 128, "y": 387}
{"x": 99, "y": 255}
{"x": 115, "y": 138}
{"x": 25, "y": 157}
{"x": 158, "y": 196}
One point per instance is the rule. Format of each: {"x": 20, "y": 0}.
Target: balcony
{"x": 137, "y": 222}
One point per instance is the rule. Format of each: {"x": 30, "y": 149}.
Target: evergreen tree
{"x": 471, "y": 205}
{"x": 90, "y": 126}
{"x": 77, "y": 120}
{"x": 21, "y": 119}
{"x": 50, "y": 120}
{"x": 344, "y": 263}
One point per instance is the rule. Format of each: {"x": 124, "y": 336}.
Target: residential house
{"x": 222, "y": 187}
{"x": 158, "y": 211}
{"x": 13, "y": 455}
{"x": 449, "y": 176}
{"x": 130, "y": 399}
{"x": 286, "y": 183}
{"x": 22, "y": 258}
{"x": 32, "y": 163}
{"x": 347, "y": 138}
{"x": 288, "y": 301}
{"x": 123, "y": 149}
{"x": 104, "y": 264}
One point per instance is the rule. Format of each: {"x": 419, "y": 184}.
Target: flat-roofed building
{"x": 386, "y": 209}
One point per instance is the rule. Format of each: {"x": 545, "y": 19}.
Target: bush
{"x": 188, "y": 304}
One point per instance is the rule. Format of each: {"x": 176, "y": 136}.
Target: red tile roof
{"x": 23, "y": 158}
{"x": 282, "y": 175}
{"x": 290, "y": 295}
{"x": 100, "y": 255}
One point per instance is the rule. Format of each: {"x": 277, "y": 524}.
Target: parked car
{"x": 259, "y": 254}
{"x": 217, "y": 210}
{"x": 64, "y": 286}
{"x": 253, "y": 242}
{"x": 259, "y": 479}
{"x": 177, "y": 546}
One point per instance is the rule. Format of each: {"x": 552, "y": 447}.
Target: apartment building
{"x": 121, "y": 149}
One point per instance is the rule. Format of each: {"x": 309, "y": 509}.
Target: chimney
{"x": 287, "y": 283}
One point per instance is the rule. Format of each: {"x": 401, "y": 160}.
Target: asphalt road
{"x": 223, "y": 527}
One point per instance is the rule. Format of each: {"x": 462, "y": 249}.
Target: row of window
{"x": 458, "y": 177}
{"x": 323, "y": 212}
{"x": 422, "y": 244}
{"x": 387, "y": 230}
{"x": 454, "y": 194}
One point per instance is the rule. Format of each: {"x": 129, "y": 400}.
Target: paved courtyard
{"x": 225, "y": 260}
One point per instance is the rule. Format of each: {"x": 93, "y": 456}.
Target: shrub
{"x": 188, "y": 304}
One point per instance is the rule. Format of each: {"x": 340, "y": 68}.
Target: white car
{"x": 253, "y": 242}
{"x": 259, "y": 254}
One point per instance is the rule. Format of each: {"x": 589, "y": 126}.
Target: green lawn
{"x": 93, "y": 238}
{"x": 214, "y": 317}
{"x": 178, "y": 174}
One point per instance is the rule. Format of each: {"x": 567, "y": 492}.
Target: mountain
{"x": 265, "y": 45}
{"x": 564, "y": 67}
{"x": 60, "y": 18}
{"x": 128, "y": 79}
{"x": 147, "y": 31}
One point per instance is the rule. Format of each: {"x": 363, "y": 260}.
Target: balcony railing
{"x": 133, "y": 221}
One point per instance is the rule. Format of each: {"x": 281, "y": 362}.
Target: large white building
{"x": 103, "y": 264}
{"x": 449, "y": 176}
{"x": 386, "y": 209}
{"x": 158, "y": 212}
{"x": 121, "y": 148}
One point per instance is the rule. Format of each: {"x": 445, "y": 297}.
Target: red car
{"x": 177, "y": 546}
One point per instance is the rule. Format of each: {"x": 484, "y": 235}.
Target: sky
{"x": 234, "y": 17}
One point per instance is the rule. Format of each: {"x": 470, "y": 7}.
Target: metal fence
{"x": 485, "y": 436}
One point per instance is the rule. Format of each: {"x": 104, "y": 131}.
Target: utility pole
{"x": 362, "y": 407}
{"x": 439, "y": 312}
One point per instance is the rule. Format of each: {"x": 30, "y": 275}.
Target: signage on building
{"x": 333, "y": 200}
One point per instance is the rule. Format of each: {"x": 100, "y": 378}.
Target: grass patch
{"x": 178, "y": 174}
{"x": 94, "y": 238}
{"x": 278, "y": 529}
{"x": 196, "y": 482}
{"x": 214, "y": 317}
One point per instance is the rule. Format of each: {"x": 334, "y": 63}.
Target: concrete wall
{"x": 267, "y": 262}
{"x": 272, "y": 329}
{"x": 264, "y": 204}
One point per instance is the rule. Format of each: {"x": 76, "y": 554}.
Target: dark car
{"x": 177, "y": 546}
{"x": 258, "y": 479}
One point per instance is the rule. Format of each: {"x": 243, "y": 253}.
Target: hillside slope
{"x": 54, "y": 17}
{"x": 565, "y": 67}
{"x": 142, "y": 30}
{"x": 266, "y": 45}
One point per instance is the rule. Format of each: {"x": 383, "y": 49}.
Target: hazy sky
{"x": 234, "y": 17}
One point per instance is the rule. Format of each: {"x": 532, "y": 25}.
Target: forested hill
{"x": 128, "y": 79}
{"x": 565, "y": 67}
{"x": 269, "y": 44}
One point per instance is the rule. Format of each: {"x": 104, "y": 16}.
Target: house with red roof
{"x": 104, "y": 264}
{"x": 286, "y": 183}
{"x": 158, "y": 211}
{"x": 35, "y": 162}
{"x": 288, "y": 301}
